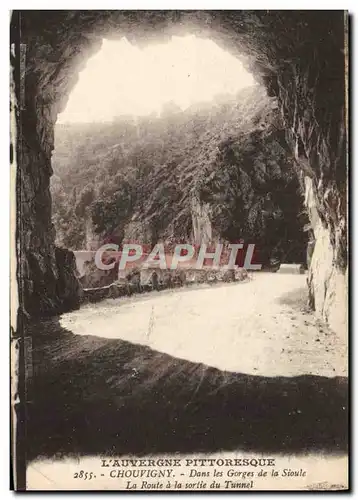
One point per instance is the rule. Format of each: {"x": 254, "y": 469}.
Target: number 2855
{"x": 83, "y": 475}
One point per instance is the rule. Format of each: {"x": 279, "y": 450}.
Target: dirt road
{"x": 240, "y": 366}
{"x": 259, "y": 327}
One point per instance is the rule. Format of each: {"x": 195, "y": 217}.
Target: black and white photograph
{"x": 179, "y": 250}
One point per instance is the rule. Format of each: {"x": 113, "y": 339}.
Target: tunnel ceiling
{"x": 298, "y": 55}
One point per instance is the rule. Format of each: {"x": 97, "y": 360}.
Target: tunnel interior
{"x": 152, "y": 159}
{"x": 300, "y": 58}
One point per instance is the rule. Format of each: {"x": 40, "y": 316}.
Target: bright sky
{"x": 123, "y": 79}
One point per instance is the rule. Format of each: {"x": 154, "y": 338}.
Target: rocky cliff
{"x": 204, "y": 174}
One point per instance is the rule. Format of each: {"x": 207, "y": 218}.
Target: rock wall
{"x": 83, "y": 257}
{"x": 93, "y": 240}
{"x": 45, "y": 274}
{"x": 202, "y": 227}
{"x": 68, "y": 288}
{"x": 328, "y": 282}
{"x": 299, "y": 55}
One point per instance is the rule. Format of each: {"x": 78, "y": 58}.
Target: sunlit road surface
{"x": 259, "y": 327}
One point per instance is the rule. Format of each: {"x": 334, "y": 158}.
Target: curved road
{"x": 259, "y": 327}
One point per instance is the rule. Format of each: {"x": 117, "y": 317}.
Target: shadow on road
{"x": 296, "y": 298}
{"x": 90, "y": 395}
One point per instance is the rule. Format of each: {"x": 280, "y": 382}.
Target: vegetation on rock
{"x": 150, "y": 178}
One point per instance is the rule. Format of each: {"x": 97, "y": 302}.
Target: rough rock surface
{"x": 69, "y": 289}
{"x": 202, "y": 227}
{"x": 298, "y": 55}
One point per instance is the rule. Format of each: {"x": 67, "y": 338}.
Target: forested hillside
{"x": 168, "y": 177}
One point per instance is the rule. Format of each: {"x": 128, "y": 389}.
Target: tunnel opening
{"x": 307, "y": 76}
{"x": 175, "y": 143}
